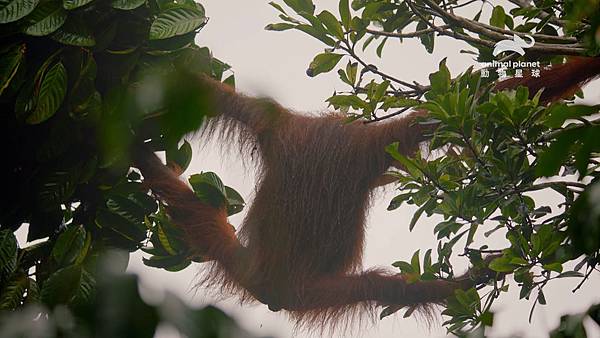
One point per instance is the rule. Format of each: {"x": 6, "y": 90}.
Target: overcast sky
{"x": 273, "y": 64}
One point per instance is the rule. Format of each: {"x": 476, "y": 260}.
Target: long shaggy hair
{"x": 300, "y": 245}
{"x": 306, "y": 222}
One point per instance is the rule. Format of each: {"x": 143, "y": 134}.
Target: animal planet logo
{"x": 517, "y": 45}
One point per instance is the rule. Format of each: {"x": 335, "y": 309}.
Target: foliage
{"x": 80, "y": 82}
{"x": 491, "y": 153}
{"x": 118, "y": 310}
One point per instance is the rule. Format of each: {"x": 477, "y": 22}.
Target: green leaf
{"x": 283, "y": 26}
{"x": 45, "y": 19}
{"x": 72, "y": 4}
{"x": 277, "y": 7}
{"x": 351, "y": 70}
{"x": 87, "y": 289}
{"x": 144, "y": 201}
{"x": 132, "y": 233}
{"x": 380, "y": 91}
{"x": 468, "y": 299}
{"x": 427, "y": 40}
{"x": 8, "y": 252}
{"x": 427, "y": 261}
{"x": 379, "y": 49}
{"x": 11, "y": 295}
{"x": 33, "y": 292}
{"x": 414, "y": 262}
{"x": 164, "y": 240}
{"x": 177, "y": 21}
{"x": 178, "y": 267}
{"x": 568, "y": 274}
{"x": 344, "y": 77}
{"x": 230, "y": 80}
{"x": 542, "y": 238}
{"x": 55, "y": 187}
{"x": 316, "y": 33}
{"x": 10, "y": 62}
{"x": 556, "y": 266}
{"x": 171, "y": 263}
{"x": 407, "y": 164}
{"x": 416, "y": 216}
{"x": 554, "y": 157}
{"x": 404, "y": 267}
{"x": 61, "y": 286}
{"x": 180, "y": 157}
{"x": 16, "y": 9}
{"x": 299, "y": 6}
{"x": 498, "y": 17}
{"x": 445, "y": 228}
{"x": 397, "y": 201}
{"x": 27, "y": 97}
{"x": 127, "y": 4}
{"x": 557, "y": 114}
{"x": 440, "y": 80}
{"x": 541, "y": 298}
{"x": 332, "y": 24}
{"x": 126, "y": 208}
{"x": 345, "y": 13}
{"x": 209, "y": 188}
{"x": 51, "y": 94}
{"x": 323, "y": 63}
{"x": 75, "y": 33}
{"x": 501, "y": 264}
{"x": 235, "y": 202}
{"x": 353, "y": 101}
{"x": 398, "y": 102}
{"x": 69, "y": 245}
{"x": 487, "y": 318}
{"x": 472, "y": 230}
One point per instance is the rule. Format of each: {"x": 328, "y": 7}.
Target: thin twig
{"x": 405, "y": 35}
{"x": 376, "y": 71}
{"x": 380, "y": 118}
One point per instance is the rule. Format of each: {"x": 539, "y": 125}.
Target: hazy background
{"x": 273, "y": 64}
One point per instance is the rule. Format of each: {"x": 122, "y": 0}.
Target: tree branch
{"x": 477, "y": 27}
{"x": 498, "y": 34}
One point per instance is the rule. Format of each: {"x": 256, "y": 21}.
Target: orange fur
{"x": 558, "y": 82}
{"x": 300, "y": 246}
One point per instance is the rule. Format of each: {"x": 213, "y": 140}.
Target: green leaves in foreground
{"x": 72, "y": 4}
{"x": 8, "y": 253}
{"x": 79, "y": 84}
{"x": 45, "y": 19}
{"x": 209, "y": 188}
{"x": 168, "y": 247}
{"x": 323, "y": 63}
{"x": 494, "y": 147}
{"x": 16, "y": 9}
{"x": 53, "y": 87}
{"x": 123, "y": 218}
{"x": 127, "y": 4}
{"x": 177, "y": 21}
{"x": 572, "y": 325}
{"x": 117, "y": 311}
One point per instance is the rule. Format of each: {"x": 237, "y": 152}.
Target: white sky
{"x": 273, "y": 64}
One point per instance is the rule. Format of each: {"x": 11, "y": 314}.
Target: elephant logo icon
{"x": 517, "y": 45}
